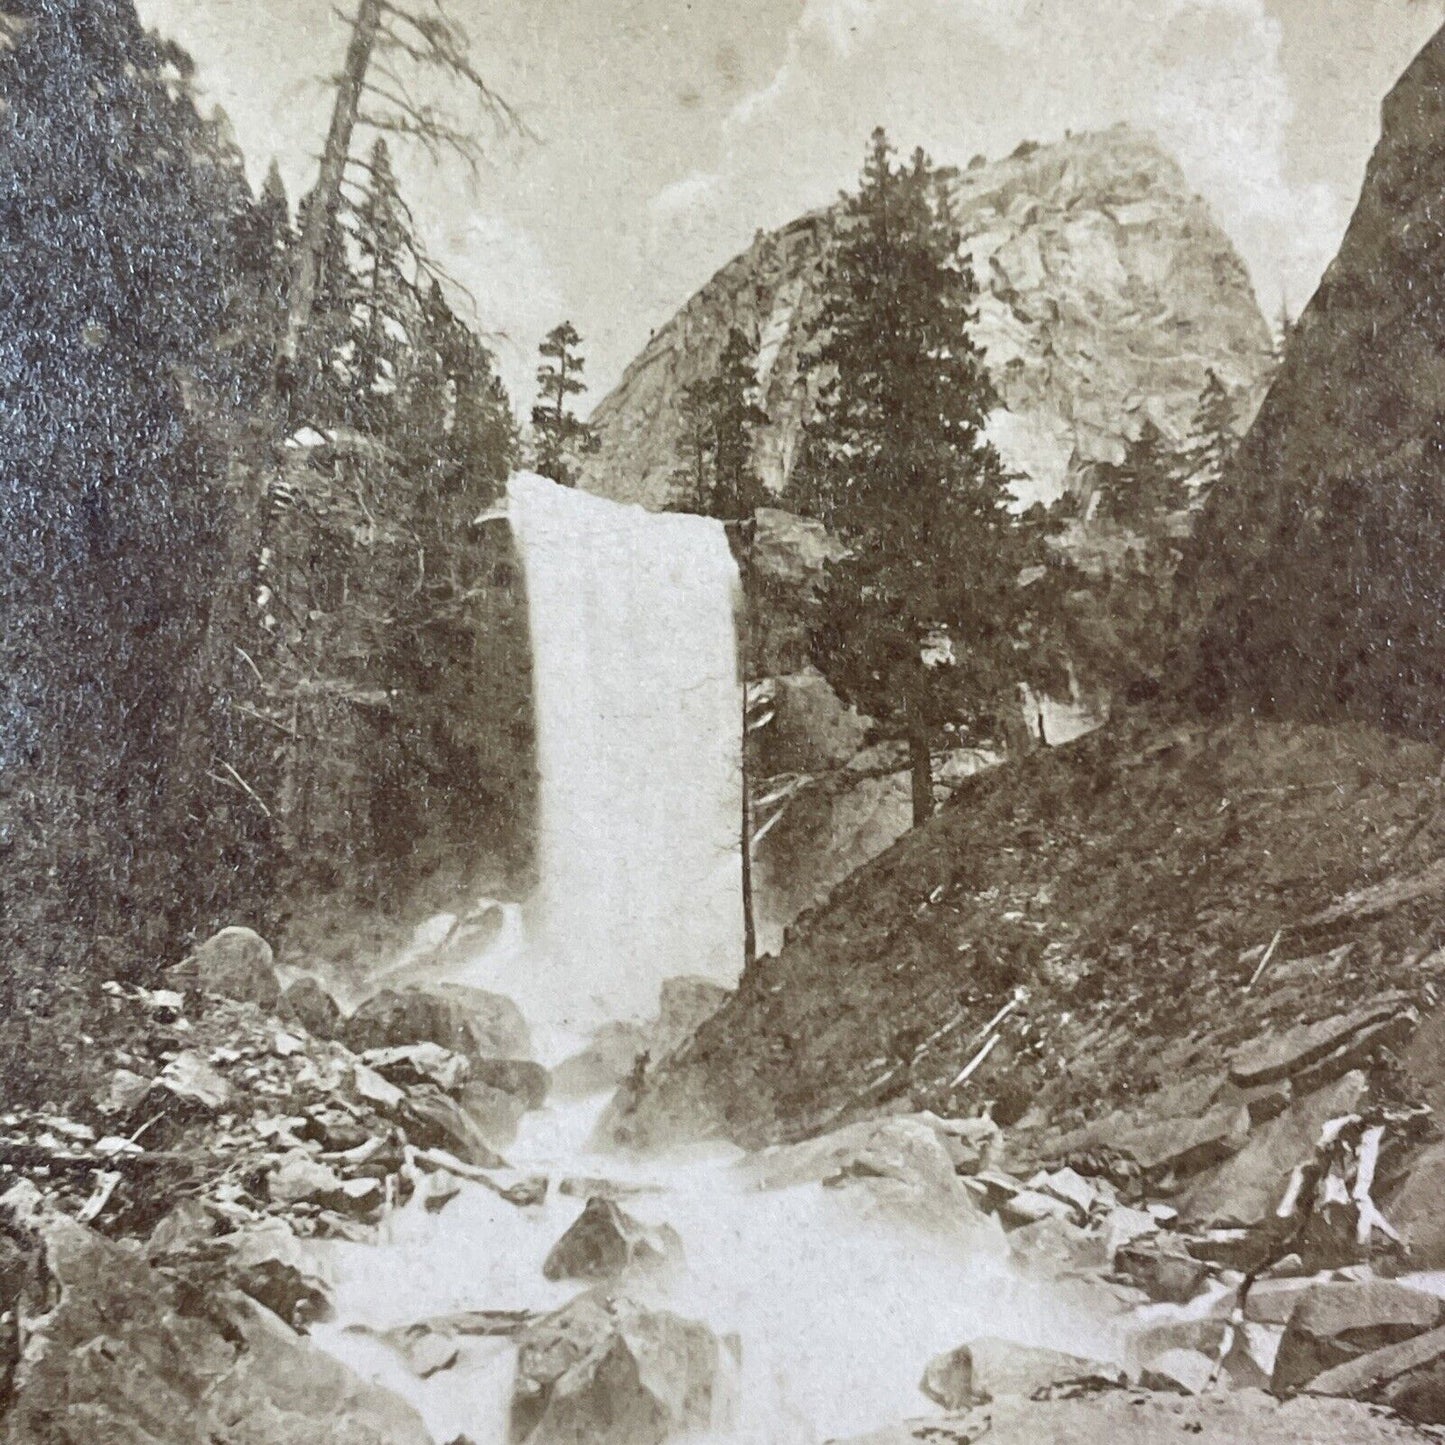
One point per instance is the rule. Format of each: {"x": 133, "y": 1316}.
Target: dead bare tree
{"x": 391, "y": 48}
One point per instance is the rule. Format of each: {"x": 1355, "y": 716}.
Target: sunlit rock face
{"x": 1108, "y": 292}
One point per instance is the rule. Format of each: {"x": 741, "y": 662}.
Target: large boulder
{"x": 116, "y": 1352}
{"x": 1408, "y": 1377}
{"x": 1318, "y": 1053}
{"x": 526, "y": 1080}
{"x": 605, "y": 1242}
{"x": 466, "y": 1020}
{"x": 899, "y": 1165}
{"x": 1416, "y": 1212}
{"x": 606, "y": 1371}
{"x": 990, "y": 1369}
{"x": 605, "y": 1062}
{"x": 434, "y": 1120}
{"x": 684, "y": 1005}
{"x": 235, "y": 963}
{"x": 306, "y": 1003}
{"x": 1245, "y": 1190}
{"x": 1338, "y": 1322}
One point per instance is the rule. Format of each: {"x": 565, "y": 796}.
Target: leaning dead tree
{"x": 392, "y": 51}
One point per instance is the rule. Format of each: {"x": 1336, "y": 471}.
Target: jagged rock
{"x": 300, "y": 1179}
{"x": 1125, "y": 1418}
{"x": 1179, "y": 1372}
{"x": 439, "y": 1190}
{"x": 1202, "y": 1336}
{"x": 1070, "y": 1187}
{"x": 1332, "y": 1046}
{"x": 1416, "y": 1212}
{"x": 267, "y": 1262}
{"x": 308, "y": 1004}
{"x": 684, "y": 1004}
{"x": 1245, "y": 1190}
{"x": 1166, "y": 1145}
{"x": 810, "y": 730}
{"x": 374, "y": 1090}
{"x": 433, "y": 1120}
{"x": 192, "y": 1083}
{"x": 1408, "y": 1377}
{"x": 1028, "y": 1206}
{"x": 1163, "y": 1270}
{"x": 425, "y": 1063}
{"x": 1055, "y": 1246}
{"x": 1123, "y": 1227}
{"x": 1335, "y": 1323}
{"x": 466, "y": 1020}
{"x": 1273, "y": 1301}
{"x": 606, "y": 1371}
{"x": 495, "y": 1113}
{"x": 180, "y": 1230}
{"x": 528, "y": 1081}
{"x": 112, "y": 1355}
{"x": 974, "y": 1145}
{"x": 899, "y": 1164}
{"x": 122, "y": 1090}
{"x": 605, "y": 1063}
{"x": 988, "y": 1369}
{"x": 604, "y": 1242}
{"x": 235, "y": 963}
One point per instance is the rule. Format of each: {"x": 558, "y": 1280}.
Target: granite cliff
{"x": 1334, "y": 498}
{"x": 1108, "y": 292}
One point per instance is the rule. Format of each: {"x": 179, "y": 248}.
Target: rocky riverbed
{"x": 271, "y": 1221}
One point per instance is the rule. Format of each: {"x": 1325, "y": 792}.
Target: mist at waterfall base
{"x": 835, "y": 1304}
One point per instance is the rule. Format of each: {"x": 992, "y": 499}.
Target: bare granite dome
{"x": 1108, "y": 291}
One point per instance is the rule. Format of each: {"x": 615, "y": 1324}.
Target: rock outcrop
{"x": 1335, "y": 497}
{"x": 115, "y": 1351}
{"x": 1108, "y": 292}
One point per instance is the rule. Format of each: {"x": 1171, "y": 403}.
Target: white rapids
{"x": 836, "y": 1308}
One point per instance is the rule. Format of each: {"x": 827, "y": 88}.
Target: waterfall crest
{"x": 638, "y": 704}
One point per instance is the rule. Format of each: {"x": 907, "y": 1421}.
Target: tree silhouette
{"x": 920, "y": 622}
{"x": 559, "y": 436}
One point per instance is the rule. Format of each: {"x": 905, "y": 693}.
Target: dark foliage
{"x": 184, "y": 725}
{"x": 921, "y": 623}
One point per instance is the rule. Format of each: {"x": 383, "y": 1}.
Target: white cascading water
{"x": 638, "y": 703}
{"x": 837, "y": 1306}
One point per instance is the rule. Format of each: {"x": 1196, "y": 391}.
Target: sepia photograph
{"x": 722, "y": 723}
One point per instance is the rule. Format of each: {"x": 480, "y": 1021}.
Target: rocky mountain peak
{"x": 1108, "y": 292}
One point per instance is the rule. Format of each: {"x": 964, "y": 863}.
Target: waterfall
{"x": 638, "y": 708}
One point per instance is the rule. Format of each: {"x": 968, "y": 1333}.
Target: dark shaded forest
{"x": 251, "y": 640}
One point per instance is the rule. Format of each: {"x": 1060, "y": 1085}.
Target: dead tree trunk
{"x": 326, "y": 198}
{"x": 920, "y": 762}
{"x": 745, "y": 566}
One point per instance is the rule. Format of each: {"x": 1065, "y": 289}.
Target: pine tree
{"x": 919, "y": 624}
{"x": 1212, "y": 439}
{"x": 717, "y": 477}
{"x": 386, "y": 294}
{"x": 558, "y": 436}
{"x": 1146, "y": 486}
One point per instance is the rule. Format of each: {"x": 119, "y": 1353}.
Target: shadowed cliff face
{"x": 1318, "y": 565}
{"x": 1108, "y": 292}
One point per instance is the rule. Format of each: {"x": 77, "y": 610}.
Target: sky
{"x": 668, "y": 133}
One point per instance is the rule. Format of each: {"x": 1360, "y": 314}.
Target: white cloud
{"x": 966, "y": 76}
{"x": 685, "y": 194}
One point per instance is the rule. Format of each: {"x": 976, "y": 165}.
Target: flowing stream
{"x": 832, "y": 1307}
